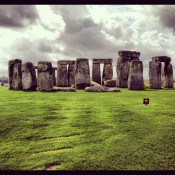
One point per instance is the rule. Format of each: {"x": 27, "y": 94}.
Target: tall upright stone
{"x": 71, "y": 73}
{"x": 62, "y": 74}
{"x": 54, "y": 77}
{"x": 15, "y": 74}
{"x": 82, "y": 73}
{"x": 155, "y": 74}
{"x": 45, "y": 79}
{"x": 29, "y": 81}
{"x": 135, "y": 79}
{"x": 122, "y": 71}
{"x": 96, "y": 74}
{"x": 168, "y": 70}
{"x": 107, "y": 72}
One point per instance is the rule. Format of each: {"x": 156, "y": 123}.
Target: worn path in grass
{"x": 87, "y": 131}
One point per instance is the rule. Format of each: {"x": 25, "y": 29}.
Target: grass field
{"x": 87, "y": 131}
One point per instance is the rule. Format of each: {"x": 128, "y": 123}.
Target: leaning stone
{"x": 107, "y": 72}
{"x": 82, "y": 73}
{"x": 29, "y": 81}
{"x": 155, "y": 74}
{"x": 15, "y": 74}
{"x": 45, "y": 78}
{"x": 122, "y": 72}
{"x": 110, "y": 83}
{"x": 135, "y": 79}
{"x": 96, "y": 89}
{"x": 168, "y": 70}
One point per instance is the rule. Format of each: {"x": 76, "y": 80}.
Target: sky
{"x": 55, "y": 32}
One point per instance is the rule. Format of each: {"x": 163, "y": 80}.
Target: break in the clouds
{"x": 42, "y": 32}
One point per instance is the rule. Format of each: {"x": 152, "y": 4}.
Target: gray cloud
{"x": 17, "y": 15}
{"x": 166, "y": 15}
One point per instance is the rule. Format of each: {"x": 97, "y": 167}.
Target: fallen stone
{"x": 67, "y": 89}
{"x": 110, "y": 83}
{"x": 96, "y": 89}
{"x": 93, "y": 83}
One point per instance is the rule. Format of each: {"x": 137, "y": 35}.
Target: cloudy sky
{"x": 54, "y": 32}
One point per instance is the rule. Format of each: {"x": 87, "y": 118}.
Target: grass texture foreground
{"x": 87, "y": 131}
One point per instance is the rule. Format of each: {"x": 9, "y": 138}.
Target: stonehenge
{"x": 107, "y": 70}
{"x": 29, "y": 81}
{"x": 76, "y": 73}
{"x": 82, "y": 73}
{"x": 156, "y": 74}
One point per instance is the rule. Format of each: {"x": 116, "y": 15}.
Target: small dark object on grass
{"x": 146, "y": 101}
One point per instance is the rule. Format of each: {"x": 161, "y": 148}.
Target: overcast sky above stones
{"x": 52, "y": 32}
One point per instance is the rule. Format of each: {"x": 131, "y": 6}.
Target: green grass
{"x": 87, "y": 131}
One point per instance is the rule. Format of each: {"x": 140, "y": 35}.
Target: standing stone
{"x": 96, "y": 74}
{"x": 62, "y": 75}
{"x": 15, "y": 75}
{"x": 155, "y": 74}
{"x": 29, "y": 81}
{"x": 71, "y": 73}
{"x": 163, "y": 75}
{"x": 107, "y": 72}
{"x": 45, "y": 79}
{"x": 135, "y": 79}
{"x": 82, "y": 73}
{"x": 122, "y": 72}
{"x": 168, "y": 70}
{"x": 54, "y": 77}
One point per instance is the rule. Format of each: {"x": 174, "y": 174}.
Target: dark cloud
{"x": 17, "y": 15}
{"x": 166, "y": 15}
{"x": 45, "y": 46}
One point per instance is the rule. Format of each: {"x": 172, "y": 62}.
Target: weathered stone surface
{"x": 15, "y": 74}
{"x": 62, "y": 75}
{"x": 54, "y": 77}
{"x": 110, "y": 83}
{"x": 102, "y": 61}
{"x": 113, "y": 90}
{"x": 125, "y": 53}
{"x": 96, "y": 74}
{"x": 45, "y": 79}
{"x": 162, "y": 59}
{"x": 93, "y": 83}
{"x": 67, "y": 89}
{"x": 82, "y": 73}
{"x": 107, "y": 72}
{"x": 155, "y": 74}
{"x": 96, "y": 89}
{"x": 122, "y": 72}
{"x": 135, "y": 79}
{"x": 29, "y": 81}
{"x": 71, "y": 73}
{"x": 168, "y": 70}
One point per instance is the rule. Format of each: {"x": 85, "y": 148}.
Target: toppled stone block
{"x": 29, "y": 81}
{"x": 93, "y": 83}
{"x": 110, "y": 83}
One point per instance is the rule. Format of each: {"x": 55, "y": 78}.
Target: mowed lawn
{"x": 87, "y": 131}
